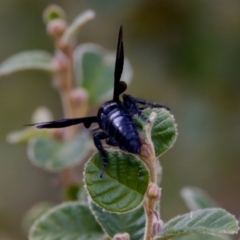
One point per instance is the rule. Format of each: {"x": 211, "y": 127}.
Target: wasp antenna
{"x": 118, "y": 65}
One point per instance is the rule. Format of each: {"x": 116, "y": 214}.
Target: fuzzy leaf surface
{"x": 123, "y": 185}
{"x": 164, "y": 130}
{"x": 71, "y": 220}
{"x": 195, "y": 198}
{"x": 94, "y": 70}
{"x": 132, "y": 222}
{"x": 54, "y": 155}
{"x": 28, "y": 60}
{"x": 201, "y": 237}
{"x": 211, "y": 221}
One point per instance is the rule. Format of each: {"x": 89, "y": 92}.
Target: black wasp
{"x": 115, "y": 118}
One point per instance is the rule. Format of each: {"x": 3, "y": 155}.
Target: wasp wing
{"x": 118, "y": 66}
{"x": 87, "y": 121}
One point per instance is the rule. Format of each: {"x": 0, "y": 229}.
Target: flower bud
{"x": 154, "y": 191}
{"x": 60, "y": 61}
{"x": 157, "y": 224}
{"x": 121, "y": 236}
{"x": 53, "y": 12}
{"x": 78, "y": 96}
{"x": 56, "y": 27}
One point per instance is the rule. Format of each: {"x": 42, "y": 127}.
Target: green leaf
{"x": 124, "y": 182}
{"x": 94, "y": 70}
{"x": 28, "y": 60}
{"x": 54, "y": 155}
{"x": 195, "y": 198}
{"x": 23, "y": 136}
{"x": 82, "y": 194}
{"x": 72, "y": 221}
{"x": 201, "y": 237}
{"x": 53, "y": 12}
{"x": 211, "y": 221}
{"x": 71, "y": 32}
{"x": 34, "y": 213}
{"x": 41, "y": 114}
{"x": 164, "y": 131}
{"x": 132, "y": 222}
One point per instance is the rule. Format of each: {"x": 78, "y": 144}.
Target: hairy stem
{"x": 74, "y": 100}
{"x": 65, "y": 84}
{"x": 149, "y": 158}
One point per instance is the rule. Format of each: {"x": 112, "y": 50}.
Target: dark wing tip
{"x": 67, "y": 122}
{"x": 120, "y": 30}
{"x": 40, "y": 125}
{"x": 37, "y": 125}
{"x": 118, "y": 64}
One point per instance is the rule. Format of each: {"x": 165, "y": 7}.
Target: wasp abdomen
{"x": 119, "y": 125}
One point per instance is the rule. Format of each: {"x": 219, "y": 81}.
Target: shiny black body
{"x": 115, "y": 118}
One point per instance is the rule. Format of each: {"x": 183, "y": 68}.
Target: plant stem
{"x": 148, "y": 157}
{"x": 65, "y": 84}
{"x": 73, "y": 106}
{"x": 149, "y": 204}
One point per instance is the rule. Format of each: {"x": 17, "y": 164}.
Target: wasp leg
{"x": 132, "y": 107}
{"x": 111, "y": 142}
{"x": 97, "y": 137}
{"x": 145, "y": 103}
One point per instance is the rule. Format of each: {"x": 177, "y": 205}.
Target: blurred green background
{"x": 185, "y": 54}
